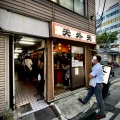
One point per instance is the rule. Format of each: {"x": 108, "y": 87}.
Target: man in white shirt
{"x": 97, "y": 75}
{"x": 27, "y": 63}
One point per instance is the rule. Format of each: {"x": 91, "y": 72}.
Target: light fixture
{"x": 59, "y": 48}
{"x": 15, "y": 57}
{"x": 59, "y": 44}
{"x": 18, "y": 48}
{"x": 16, "y": 54}
{"x": 28, "y": 39}
{"x": 18, "y": 51}
{"x": 26, "y": 42}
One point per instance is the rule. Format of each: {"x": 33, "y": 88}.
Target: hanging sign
{"x": 66, "y": 32}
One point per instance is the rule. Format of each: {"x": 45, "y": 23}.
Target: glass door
{"x": 77, "y": 67}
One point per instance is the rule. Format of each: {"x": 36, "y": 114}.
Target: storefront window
{"x": 67, "y": 4}
{"x": 79, "y": 7}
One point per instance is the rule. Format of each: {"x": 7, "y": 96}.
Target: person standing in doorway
{"x": 97, "y": 76}
{"x": 27, "y": 63}
{"x": 66, "y": 81}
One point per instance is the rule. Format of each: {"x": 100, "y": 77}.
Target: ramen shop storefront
{"x": 71, "y": 47}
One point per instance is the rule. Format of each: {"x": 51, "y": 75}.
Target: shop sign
{"x": 66, "y": 32}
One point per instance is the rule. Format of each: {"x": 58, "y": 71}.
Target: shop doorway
{"x": 29, "y": 75}
{"x": 62, "y": 66}
{"x": 69, "y": 72}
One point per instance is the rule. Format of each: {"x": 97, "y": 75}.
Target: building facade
{"x": 52, "y": 22}
{"x": 111, "y": 23}
{"x": 111, "y": 20}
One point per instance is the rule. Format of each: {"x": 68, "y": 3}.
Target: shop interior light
{"x": 26, "y": 42}
{"x": 59, "y": 44}
{"x": 28, "y": 39}
{"x": 18, "y": 51}
{"x": 59, "y": 48}
{"x": 18, "y": 48}
{"x": 15, "y": 57}
{"x": 16, "y": 54}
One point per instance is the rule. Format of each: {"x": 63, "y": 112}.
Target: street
{"x": 112, "y": 101}
{"x": 112, "y": 106}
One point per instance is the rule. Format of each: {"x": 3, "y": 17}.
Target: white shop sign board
{"x": 106, "y": 73}
{"x": 14, "y": 22}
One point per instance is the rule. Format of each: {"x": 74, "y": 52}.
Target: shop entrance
{"x": 29, "y": 74}
{"x": 69, "y": 72}
{"x": 62, "y": 63}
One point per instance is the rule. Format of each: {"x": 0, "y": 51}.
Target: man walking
{"x": 96, "y": 77}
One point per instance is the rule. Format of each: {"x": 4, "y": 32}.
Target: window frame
{"x": 85, "y": 7}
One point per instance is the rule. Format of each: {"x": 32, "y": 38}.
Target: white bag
{"x": 92, "y": 82}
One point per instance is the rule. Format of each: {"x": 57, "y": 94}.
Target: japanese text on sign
{"x": 62, "y": 31}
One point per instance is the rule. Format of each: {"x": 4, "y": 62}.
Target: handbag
{"x": 92, "y": 82}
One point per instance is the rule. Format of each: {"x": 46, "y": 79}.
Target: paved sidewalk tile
{"x": 118, "y": 105}
{"x": 45, "y": 114}
{"x": 28, "y": 117}
{"x": 118, "y": 117}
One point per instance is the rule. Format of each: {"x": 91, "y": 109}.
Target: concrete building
{"x": 111, "y": 23}
{"x": 50, "y": 31}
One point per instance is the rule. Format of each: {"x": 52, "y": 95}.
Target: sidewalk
{"x": 44, "y": 114}
{"x": 69, "y": 108}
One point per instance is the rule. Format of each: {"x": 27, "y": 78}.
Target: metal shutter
{"x": 2, "y": 74}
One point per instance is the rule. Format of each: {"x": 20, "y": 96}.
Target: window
{"x": 79, "y": 7}
{"x": 117, "y": 11}
{"x": 113, "y": 13}
{"x": 67, "y": 4}
{"x": 54, "y": 1}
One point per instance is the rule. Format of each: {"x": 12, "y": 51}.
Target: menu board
{"x": 77, "y": 56}
{"x": 77, "y": 50}
{"x": 76, "y": 63}
{"x": 106, "y": 73}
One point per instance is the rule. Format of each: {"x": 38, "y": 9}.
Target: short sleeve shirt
{"x": 97, "y": 72}
{"x": 29, "y": 63}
